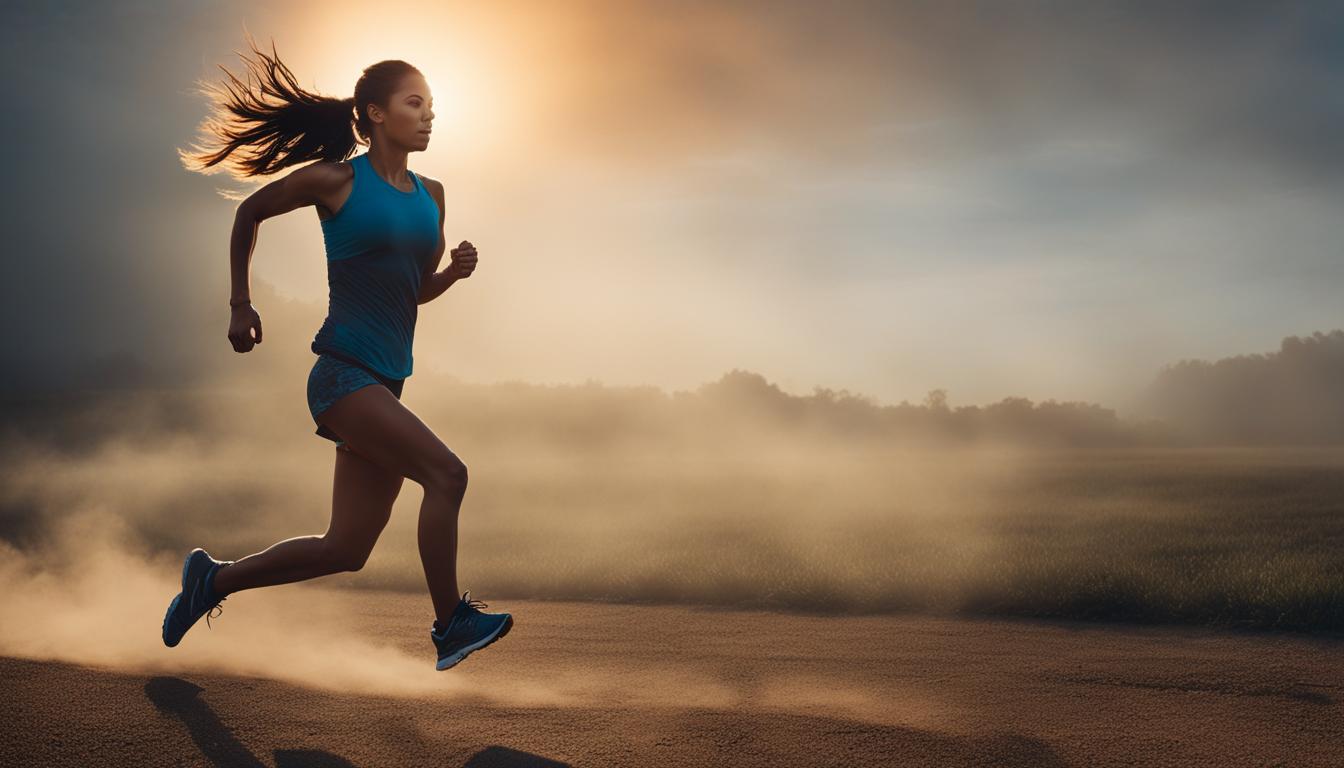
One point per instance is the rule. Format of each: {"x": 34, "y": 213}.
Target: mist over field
{"x": 734, "y": 494}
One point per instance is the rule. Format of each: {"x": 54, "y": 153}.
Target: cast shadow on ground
{"x": 180, "y": 698}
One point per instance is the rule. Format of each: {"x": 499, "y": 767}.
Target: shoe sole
{"x": 186, "y": 565}
{"x": 171, "y": 607}
{"x": 448, "y": 662}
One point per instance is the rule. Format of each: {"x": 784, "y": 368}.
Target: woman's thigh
{"x": 361, "y": 505}
{"x": 377, "y": 426}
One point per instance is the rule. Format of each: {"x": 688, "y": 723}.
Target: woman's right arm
{"x": 310, "y": 185}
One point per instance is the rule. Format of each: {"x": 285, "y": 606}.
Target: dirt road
{"x": 607, "y": 685}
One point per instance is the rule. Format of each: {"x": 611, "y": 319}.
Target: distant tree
{"x": 1294, "y": 395}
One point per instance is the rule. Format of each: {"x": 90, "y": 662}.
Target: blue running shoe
{"x": 468, "y": 630}
{"x": 196, "y": 599}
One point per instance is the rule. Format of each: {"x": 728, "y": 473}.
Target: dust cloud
{"x": 736, "y": 495}
{"x": 89, "y": 598}
{"x": 99, "y": 511}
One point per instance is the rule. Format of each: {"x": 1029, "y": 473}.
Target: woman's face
{"x": 406, "y": 121}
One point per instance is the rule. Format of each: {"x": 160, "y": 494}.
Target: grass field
{"x": 1229, "y": 537}
{"x": 1240, "y": 537}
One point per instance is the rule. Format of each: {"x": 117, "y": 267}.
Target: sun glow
{"x": 464, "y": 77}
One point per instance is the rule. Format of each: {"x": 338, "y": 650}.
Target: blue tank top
{"x": 378, "y": 246}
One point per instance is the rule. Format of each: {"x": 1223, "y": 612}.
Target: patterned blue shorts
{"x": 333, "y": 378}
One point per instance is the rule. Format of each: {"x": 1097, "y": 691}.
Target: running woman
{"x": 382, "y": 226}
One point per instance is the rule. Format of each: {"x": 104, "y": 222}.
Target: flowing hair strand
{"x": 262, "y": 129}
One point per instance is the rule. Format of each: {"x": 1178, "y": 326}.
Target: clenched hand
{"x": 245, "y": 320}
{"x": 463, "y": 260}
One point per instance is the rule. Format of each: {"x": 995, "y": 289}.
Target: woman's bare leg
{"x": 378, "y": 427}
{"x": 362, "y": 497}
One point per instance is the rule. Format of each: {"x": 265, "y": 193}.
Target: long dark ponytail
{"x": 280, "y": 124}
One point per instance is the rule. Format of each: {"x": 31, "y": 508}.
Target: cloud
{"x": 705, "y": 158}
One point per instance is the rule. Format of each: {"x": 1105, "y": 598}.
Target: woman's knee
{"x": 446, "y": 473}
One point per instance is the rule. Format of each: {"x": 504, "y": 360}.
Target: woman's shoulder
{"x": 338, "y": 171}
{"x": 434, "y": 186}
{"x": 322, "y": 176}
{"x": 325, "y": 182}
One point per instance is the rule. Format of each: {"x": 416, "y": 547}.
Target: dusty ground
{"x": 595, "y": 685}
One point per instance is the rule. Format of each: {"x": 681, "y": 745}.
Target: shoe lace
{"x": 473, "y": 605}
{"x": 213, "y": 608}
{"x": 466, "y": 613}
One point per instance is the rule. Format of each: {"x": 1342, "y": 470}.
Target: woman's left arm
{"x": 434, "y": 283}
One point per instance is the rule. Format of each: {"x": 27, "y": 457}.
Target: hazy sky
{"x": 1038, "y": 199}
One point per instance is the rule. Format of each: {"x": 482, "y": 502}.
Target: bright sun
{"x": 331, "y": 58}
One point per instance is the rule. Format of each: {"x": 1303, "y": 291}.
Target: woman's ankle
{"x": 211, "y": 582}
